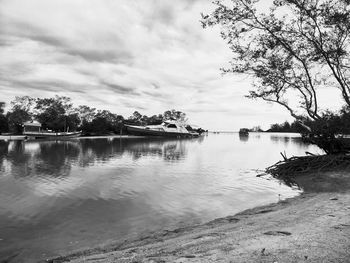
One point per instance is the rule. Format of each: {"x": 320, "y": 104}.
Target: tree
{"x": 291, "y": 48}
{"x": 56, "y": 113}
{"x": 106, "y": 122}
{"x": 25, "y": 103}
{"x": 3, "y": 119}
{"x": 20, "y": 112}
{"x": 86, "y": 113}
{"x": 2, "y": 106}
{"x": 174, "y": 115}
{"x": 155, "y": 119}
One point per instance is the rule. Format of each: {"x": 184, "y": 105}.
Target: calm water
{"x": 61, "y": 196}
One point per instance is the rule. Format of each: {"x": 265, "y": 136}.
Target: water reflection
{"x": 55, "y": 158}
{"x": 58, "y": 196}
{"x": 280, "y": 139}
{"x": 243, "y": 137}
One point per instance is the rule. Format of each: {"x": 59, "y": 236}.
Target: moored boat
{"x": 166, "y": 129}
{"x": 244, "y": 131}
{"x": 32, "y": 130}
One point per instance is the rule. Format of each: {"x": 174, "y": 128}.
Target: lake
{"x": 57, "y": 197}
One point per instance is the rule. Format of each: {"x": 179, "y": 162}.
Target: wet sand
{"x": 313, "y": 227}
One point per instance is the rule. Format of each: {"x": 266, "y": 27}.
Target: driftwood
{"x": 304, "y": 164}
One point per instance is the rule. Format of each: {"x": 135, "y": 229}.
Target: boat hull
{"x": 52, "y": 135}
{"x": 140, "y": 131}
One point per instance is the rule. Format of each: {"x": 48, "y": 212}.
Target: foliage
{"x": 139, "y": 119}
{"x": 86, "y": 113}
{"x": 106, "y": 122}
{"x": 291, "y": 48}
{"x": 19, "y": 113}
{"x": 174, "y": 115}
{"x": 256, "y": 129}
{"x": 286, "y": 127}
{"x": 3, "y": 119}
{"x": 2, "y": 107}
{"x": 58, "y": 114}
{"x": 4, "y": 127}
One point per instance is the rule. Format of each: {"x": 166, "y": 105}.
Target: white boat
{"x": 166, "y": 129}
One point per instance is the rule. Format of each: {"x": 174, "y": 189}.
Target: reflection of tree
{"x": 55, "y": 159}
{"x": 299, "y": 141}
{"x": 3, "y": 153}
{"x": 41, "y": 158}
{"x": 18, "y": 158}
{"x": 279, "y": 139}
{"x": 168, "y": 149}
{"x": 243, "y": 137}
{"x": 92, "y": 150}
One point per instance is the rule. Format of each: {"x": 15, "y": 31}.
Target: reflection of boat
{"x": 244, "y": 131}
{"x": 166, "y": 129}
{"x": 32, "y": 130}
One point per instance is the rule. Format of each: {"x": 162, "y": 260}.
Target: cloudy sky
{"x": 126, "y": 55}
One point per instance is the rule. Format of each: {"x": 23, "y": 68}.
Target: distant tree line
{"x": 286, "y": 127}
{"x": 331, "y": 122}
{"x": 59, "y": 114}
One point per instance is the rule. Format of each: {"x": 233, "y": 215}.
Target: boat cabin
{"x": 31, "y": 127}
{"x": 170, "y": 125}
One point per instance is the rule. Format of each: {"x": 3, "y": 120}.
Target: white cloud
{"x": 124, "y": 56}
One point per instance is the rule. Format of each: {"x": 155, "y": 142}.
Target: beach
{"x": 312, "y": 227}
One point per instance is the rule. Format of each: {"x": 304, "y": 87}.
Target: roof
{"x": 32, "y": 123}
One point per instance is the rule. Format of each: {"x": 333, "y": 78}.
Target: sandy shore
{"x": 313, "y": 227}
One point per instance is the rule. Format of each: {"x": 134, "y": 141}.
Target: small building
{"x": 31, "y": 126}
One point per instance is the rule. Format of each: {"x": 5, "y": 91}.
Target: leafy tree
{"x": 2, "y": 107}
{"x": 291, "y": 48}
{"x": 106, "y": 122}
{"x": 25, "y": 103}
{"x": 286, "y": 127}
{"x": 16, "y": 117}
{"x": 3, "y": 119}
{"x": 86, "y": 113}
{"x": 155, "y": 119}
{"x": 20, "y": 112}
{"x": 136, "y": 115}
{"x": 135, "y": 118}
{"x": 174, "y": 115}
{"x": 56, "y": 113}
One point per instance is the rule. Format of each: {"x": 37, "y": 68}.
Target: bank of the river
{"x": 23, "y": 137}
{"x": 313, "y": 227}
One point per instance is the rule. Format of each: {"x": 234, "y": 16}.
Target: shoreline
{"x": 312, "y": 227}
{"x": 23, "y": 137}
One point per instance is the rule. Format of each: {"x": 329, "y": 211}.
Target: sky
{"x": 126, "y": 55}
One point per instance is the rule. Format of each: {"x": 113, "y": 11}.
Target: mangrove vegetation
{"x": 59, "y": 114}
{"x": 293, "y": 50}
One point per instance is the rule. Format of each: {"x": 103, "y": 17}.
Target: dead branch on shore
{"x": 304, "y": 164}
